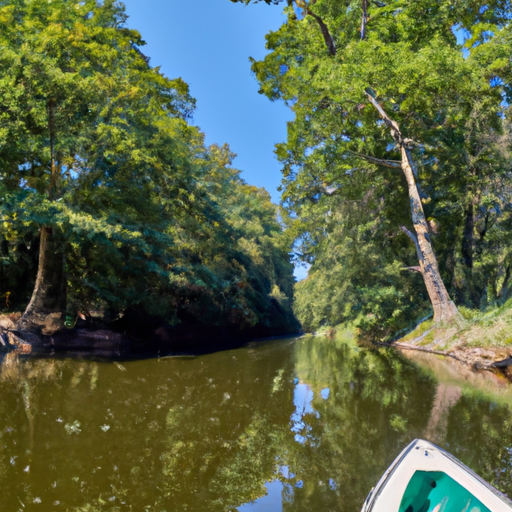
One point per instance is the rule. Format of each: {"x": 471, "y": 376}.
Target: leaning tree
{"x": 387, "y": 85}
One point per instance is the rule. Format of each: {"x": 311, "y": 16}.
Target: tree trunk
{"x": 49, "y": 295}
{"x": 469, "y": 292}
{"x": 467, "y": 237}
{"x": 504, "y": 286}
{"x": 443, "y": 306}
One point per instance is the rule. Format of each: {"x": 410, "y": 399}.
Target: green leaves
{"x": 95, "y": 147}
{"x": 446, "y": 100}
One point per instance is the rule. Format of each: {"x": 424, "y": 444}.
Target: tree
{"x": 389, "y": 88}
{"x": 77, "y": 100}
{"x": 100, "y": 168}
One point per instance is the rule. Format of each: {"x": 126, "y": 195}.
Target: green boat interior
{"x": 435, "y": 491}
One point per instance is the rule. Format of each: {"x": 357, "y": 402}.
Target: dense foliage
{"x": 97, "y": 155}
{"x": 442, "y": 71}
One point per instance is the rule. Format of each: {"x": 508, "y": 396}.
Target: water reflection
{"x": 302, "y": 400}
{"x": 286, "y": 426}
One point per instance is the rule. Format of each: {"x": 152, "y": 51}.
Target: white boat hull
{"x": 418, "y": 480}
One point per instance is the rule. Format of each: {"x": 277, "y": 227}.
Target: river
{"x": 290, "y": 425}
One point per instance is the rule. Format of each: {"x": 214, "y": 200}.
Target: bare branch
{"x": 393, "y": 164}
{"x": 413, "y": 269}
{"x": 395, "y": 130}
{"x": 330, "y": 190}
{"x": 411, "y": 142}
{"x": 412, "y": 236}
{"x": 329, "y": 41}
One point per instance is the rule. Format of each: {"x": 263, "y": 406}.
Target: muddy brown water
{"x": 290, "y": 425}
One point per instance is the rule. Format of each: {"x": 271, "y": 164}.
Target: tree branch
{"x": 364, "y": 19}
{"x": 413, "y": 269}
{"x": 414, "y": 241}
{"x": 395, "y": 130}
{"x": 393, "y": 164}
{"x": 329, "y": 41}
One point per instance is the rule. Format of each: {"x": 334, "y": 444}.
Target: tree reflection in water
{"x": 320, "y": 418}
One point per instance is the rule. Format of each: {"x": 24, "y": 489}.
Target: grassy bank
{"x": 491, "y": 329}
{"x": 479, "y": 338}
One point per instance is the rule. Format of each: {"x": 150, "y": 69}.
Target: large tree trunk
{"x": 49, "y": 295}
{"x": 443, "y": 306}
{"x": 47, "y": 305}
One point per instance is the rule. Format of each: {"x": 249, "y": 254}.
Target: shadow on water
{"x": 121, "y": 349}
{"x": 289, "y": 425}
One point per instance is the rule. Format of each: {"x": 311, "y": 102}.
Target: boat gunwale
{"x": 377, "y": 490}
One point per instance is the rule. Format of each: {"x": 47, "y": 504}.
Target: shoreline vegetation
{"x": 480, "y": 340}
{"x": 135, "y": 336}
{"x": 117, "y": 222}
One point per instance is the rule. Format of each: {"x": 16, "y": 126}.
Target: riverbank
{"x": 481, "y": 340}
{"x": 136, "y": 335}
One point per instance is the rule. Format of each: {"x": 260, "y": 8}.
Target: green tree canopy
{"x": 375, "y": 86}
{"x": 100, "y": 168}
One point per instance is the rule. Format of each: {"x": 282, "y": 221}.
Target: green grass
{"x": 492, "y": 328}
{"x": 483, "y": 329}
{"x": 419, "y": 331}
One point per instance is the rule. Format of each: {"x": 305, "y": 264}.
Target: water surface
{"x": 292, "y": 425}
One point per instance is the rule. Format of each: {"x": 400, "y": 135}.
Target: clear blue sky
{"x": 208, "y": 43}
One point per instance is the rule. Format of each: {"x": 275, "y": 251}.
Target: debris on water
{"x": 73, "y": 428}
{"x": 278, "y": 380}
{"x": 105, "y": 428}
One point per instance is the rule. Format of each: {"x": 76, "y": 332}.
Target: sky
{"x": 208, "y": 44}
